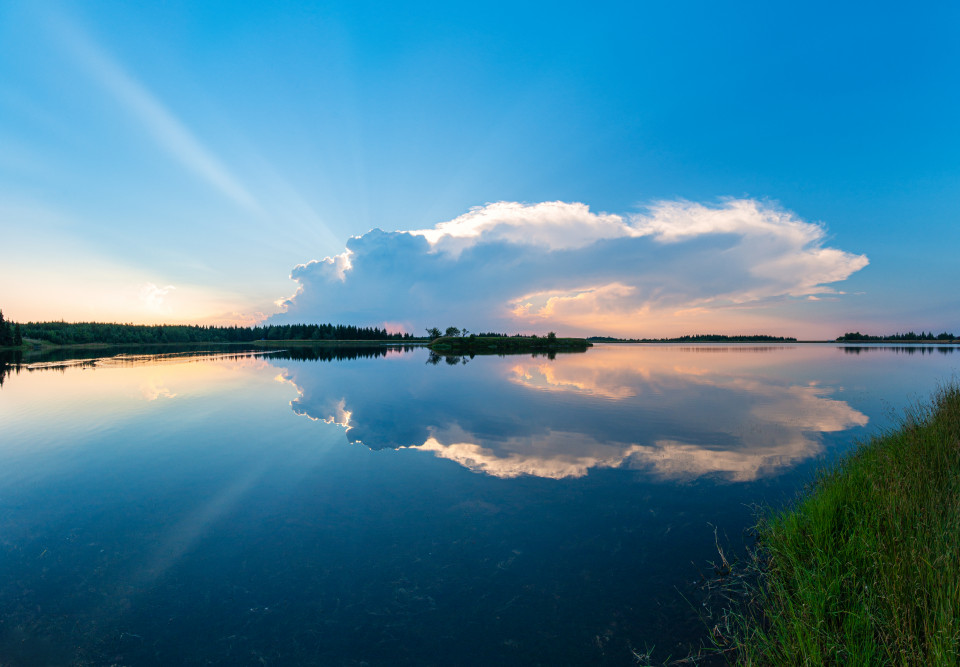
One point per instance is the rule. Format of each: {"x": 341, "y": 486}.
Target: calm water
{"x": 384, "y": 507}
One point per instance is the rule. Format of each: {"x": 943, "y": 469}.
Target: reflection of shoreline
{"x": 662, "y": 410}
{"x": 93, "y": 356}
{"x": 15, "y": 364}
{"x": 926, "y": 348}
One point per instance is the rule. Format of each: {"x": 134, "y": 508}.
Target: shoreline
{"x": 842, "y": 343}
{"x": 863, "y": 569}
{"x": 43, "y": 346}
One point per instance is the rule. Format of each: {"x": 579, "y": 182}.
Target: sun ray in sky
{"x": 167, "y": 131}
{"x": 215, "y": 148}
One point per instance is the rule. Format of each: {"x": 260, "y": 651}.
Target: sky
{"x": 629, "y": 169}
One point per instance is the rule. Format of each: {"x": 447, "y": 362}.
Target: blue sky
{"x": 175, "y": 162}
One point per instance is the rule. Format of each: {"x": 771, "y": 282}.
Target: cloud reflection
{"x": 667, "y": 410}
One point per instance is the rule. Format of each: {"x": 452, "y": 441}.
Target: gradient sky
{"x": 627, "y": 168}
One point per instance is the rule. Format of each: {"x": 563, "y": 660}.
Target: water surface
{"x": 384, "y": 506}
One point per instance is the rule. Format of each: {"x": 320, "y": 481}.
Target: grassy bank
{"x": 865, "y": 569}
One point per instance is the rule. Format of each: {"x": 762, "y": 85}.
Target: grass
{"x": 865, "y": 568}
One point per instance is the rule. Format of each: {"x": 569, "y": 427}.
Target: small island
{"x": 501, "y": 343}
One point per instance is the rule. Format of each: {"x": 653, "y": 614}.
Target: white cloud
{"x": 554, "y": 225}
{"x": 152, "y": 297}
{"x": 526, "y": 266}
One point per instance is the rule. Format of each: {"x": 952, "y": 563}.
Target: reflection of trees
{"x": 60, "y": 359}
{"x": 899, "y": 349}
{"x": 435, "y": 357}
{"x": 10, "y": 362}
{"x": 337, "y": 353}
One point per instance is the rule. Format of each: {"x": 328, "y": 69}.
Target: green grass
{"x": 865, "y": 569}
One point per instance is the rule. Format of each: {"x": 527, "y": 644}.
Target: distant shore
{"x": 40, "y": 346}
{"x": 839, "y": 343}
{"x": 464, "y": 344}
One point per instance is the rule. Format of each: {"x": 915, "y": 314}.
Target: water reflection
{"x": 900, "y": 349}
{"x": 59, "y": 359}
{"x": 171, "y": 509}
{"x": 669, "y": 410}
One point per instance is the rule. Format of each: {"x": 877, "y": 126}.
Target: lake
{"x": 386, "y": 506}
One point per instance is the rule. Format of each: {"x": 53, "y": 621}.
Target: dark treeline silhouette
{"x": 64, "y": 333}
{"x": 899, "y": 349}
{"x": 856, "y": 336}
{"x": 452, "y": 332}
{"x": 10, "y": 334}
{"x": 698, "y": 338}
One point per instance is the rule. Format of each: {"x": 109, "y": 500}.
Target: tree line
{"x": 699, "y": 338}
{"x": 453, "y": 332}
{"x": 910, "y": 335}
{"x": 71, "y": 333}
{"x": 10, "y": 334}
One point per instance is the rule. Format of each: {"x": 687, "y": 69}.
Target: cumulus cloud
{"x": 560, "y": 265}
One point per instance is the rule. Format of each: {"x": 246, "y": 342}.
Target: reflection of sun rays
{"x": 185, "y": 535}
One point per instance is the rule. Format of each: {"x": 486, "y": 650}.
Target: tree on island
{"x": 434, "y": 333}
{"x": 452, "y": 332}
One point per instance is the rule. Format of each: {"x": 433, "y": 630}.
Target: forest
{"x": 909, "y": 336}
{"x": 66, "y": 333}
{"x": 698, "y": 338}
{"x": 10, "y": 334}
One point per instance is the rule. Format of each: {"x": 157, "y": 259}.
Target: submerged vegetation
{"x": 865, "y": 570}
